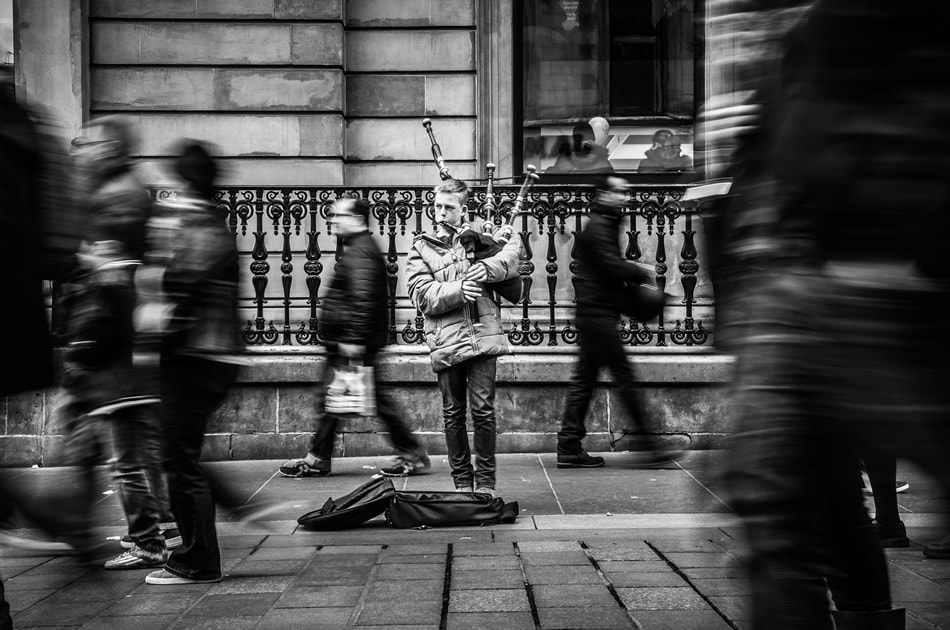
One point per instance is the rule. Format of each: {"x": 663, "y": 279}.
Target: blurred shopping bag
{"x": 351, "y": 391}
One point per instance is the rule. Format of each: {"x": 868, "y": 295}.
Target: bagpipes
{"x": 484, "y": 244}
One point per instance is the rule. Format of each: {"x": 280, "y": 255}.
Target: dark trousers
{"x": 192, "y": 388}
{"x": 135, "y": 436}
{"x": 599, "y": 345}
{"x": 882, "y": 473}
{"x": 387, "y": 409}
{"x": 470, "y": 383}
{"x": 794, "y": 474}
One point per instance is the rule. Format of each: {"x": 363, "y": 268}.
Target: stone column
{"x": 51, "y": 48}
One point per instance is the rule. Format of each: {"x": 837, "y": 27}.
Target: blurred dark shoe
{"x": 894, "y": 535}
{"x": 296, "y": 468}
{"x": 405, "y": 466}
{"x": 171, "y": 535}
{"x": 581, "y": 459}
{"x": 939, "y": 550}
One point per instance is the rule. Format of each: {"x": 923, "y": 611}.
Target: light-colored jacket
{"x": 457, "y": 330}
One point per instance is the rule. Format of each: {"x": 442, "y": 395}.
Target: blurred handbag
{"x": 643, "y": 302}
{"x": 351, "y": 392}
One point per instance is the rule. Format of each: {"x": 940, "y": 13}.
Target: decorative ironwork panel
{"x": 283, "y": 237}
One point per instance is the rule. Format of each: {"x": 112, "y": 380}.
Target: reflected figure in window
{"x": 665, "y": 155}
{"x": 582, "y": 155}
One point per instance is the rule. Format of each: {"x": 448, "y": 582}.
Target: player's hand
{"x": 477, "y": 272}
{"x": 471, "y": 290}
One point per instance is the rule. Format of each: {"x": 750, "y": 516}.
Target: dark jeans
{"x": 882, "y": 473}
{"x": 387, "y": 410}
{"x": 793, "y": 473}
{"x": 192, "y": 388}
{"x": 471, "y": 381}
{"x": 599, "y": 345}
{"x": 135, "y": 437}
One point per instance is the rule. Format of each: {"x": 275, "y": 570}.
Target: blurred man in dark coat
{"x": 601, "y": 277}
{"x": 354, "y": 325}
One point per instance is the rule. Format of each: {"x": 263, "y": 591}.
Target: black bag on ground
{"x": 406, "y": 509}
{"x": 409, "y": 509}
{"x": 351, "y": 510}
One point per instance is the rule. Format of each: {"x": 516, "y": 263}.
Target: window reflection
{"x": 608, "y": 85}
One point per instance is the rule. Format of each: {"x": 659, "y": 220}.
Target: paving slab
{"x": 680, "y": 619}
{"x": 482, "y": 620}
{"x": 572, "y": 596}
{"x": 489, "y": 600}
{"x": 585, "y": 618}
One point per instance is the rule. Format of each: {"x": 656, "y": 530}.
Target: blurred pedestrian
{"x": 354, "y": 323}
{"x": 839, "y": 351}
{"x": 463, "y": 331}
{"x": 108, "y": 389}
{"x": 198, "y": 364}
{"x": 601, "y": 275}
{"x": 20, "y": 255}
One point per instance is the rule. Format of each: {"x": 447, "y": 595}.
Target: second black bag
{"x": 409, "y": 509}
{"x": 353, "y": 509}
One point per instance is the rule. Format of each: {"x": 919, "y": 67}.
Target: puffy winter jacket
{"x": 355, "y": 307}
{"x": 457, "y": 330}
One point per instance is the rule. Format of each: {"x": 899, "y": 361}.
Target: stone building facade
{"x": 329, "y": 95}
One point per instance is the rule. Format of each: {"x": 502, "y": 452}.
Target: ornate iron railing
{"x": 282, "y": 300}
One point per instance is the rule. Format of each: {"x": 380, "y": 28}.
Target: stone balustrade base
{"x": 270, "y": 413}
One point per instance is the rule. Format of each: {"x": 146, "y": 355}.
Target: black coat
{"x": 601, "y": 271}
{"x": 28, "y": 350}
{"x": 354, "y": 309}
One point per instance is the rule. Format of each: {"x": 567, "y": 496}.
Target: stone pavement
{"x": 615, "y": 547}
